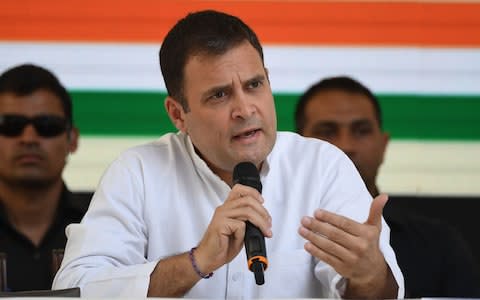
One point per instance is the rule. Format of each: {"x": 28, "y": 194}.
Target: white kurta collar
{"x": 204, "y": 170}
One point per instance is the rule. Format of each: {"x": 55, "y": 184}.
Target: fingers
{"x": 323, "y": 255}
{"x": 351, "y": 226}
{"x": 324, "y": 239}
{"x": 343, "y": 223}
{"x": 224, "y": 236}
{"x": 350, "y": 247}
{"x": 330, "y": 236}
{"x": 246, "y": 204}
{"x": 376, "y": 210}
{"x": 245, "y": 209}
{"x": 239, "y": 191}
{"x": 220, "y": 244}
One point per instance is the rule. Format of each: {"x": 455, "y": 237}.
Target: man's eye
{"x": 324, "y": 133}
{"x": 254, "y": 84}
{"x": 362, "y": 131}
{"x": 217, "y": 95}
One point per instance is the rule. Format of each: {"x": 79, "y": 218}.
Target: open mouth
{"x": 247, "y": 134}
{"x": 29, "y": 158}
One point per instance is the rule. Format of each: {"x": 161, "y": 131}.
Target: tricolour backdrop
{"x": 421, "y": 58}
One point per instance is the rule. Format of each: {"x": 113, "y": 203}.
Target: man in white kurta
{"x": 156, "y": 200}
{"x": 167, "y": 215}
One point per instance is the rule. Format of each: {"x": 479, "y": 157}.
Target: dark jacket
{"x": 30, "y": 267}
{"x": 435, "y": 259}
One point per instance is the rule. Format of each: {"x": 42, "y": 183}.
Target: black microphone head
{"x": 246, "y": 173}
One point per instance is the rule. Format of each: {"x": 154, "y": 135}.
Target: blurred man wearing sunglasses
{"x": 36, "y": 137}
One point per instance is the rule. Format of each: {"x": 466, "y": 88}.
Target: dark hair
{"x": 204, "y": 32}
{"x": 26, "y": 79}
{"x": 341, "y": 83}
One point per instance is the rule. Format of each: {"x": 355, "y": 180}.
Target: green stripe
{"x": 431, "y": 117}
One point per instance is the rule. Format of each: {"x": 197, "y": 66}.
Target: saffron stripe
{"x": 385, "y": 23}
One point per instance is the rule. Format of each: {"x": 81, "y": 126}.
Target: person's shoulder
{"x": 75, "y": 203}
{"x": 295, "y": 152}
{"x": 155, "y": 157}
{"x": 295, "y": 141}
{"x": 293, "y": 145}
{"x": 80, "y": 200}
{"x": 161, "y": 148}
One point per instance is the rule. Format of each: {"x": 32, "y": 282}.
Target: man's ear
{"x": 72, "y": 137}
{"x": 175, "y": 113}
{"x": 385, "y": 141}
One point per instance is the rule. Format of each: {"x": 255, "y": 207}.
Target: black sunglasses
{"x": 12, "y": 125}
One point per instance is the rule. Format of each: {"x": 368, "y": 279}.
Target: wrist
{"x": 378, "y": 284}
{"x": 198, "y": 268}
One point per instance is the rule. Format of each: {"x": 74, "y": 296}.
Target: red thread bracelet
{"x": 195, "y": 267}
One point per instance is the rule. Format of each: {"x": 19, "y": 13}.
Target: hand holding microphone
{"x": 246, "y": 173}
{"x": 226, "y": 233}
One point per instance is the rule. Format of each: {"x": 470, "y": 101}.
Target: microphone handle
{"x": 255, "y": 249}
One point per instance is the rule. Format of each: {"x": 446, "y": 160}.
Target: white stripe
{"x": 419, "y": 167}
{"x": 410, "y": 167}
{"x": 91, "y": 66}
{"x": 292, "y": 69}
{"x": 393, "y": 70}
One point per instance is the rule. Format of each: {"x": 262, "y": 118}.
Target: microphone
{"x": 246, "y": 173}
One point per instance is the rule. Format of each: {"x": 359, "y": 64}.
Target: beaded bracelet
{"x": 195, "y": 267}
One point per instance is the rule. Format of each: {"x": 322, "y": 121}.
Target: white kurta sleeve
{"x": 106, "y": 253}
{"x": 346, "y": 195}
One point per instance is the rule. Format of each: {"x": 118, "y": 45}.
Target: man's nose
{"x": 346, "y": 143}
{"x": 243, "y": 106}
{"x": 29, "y": 134}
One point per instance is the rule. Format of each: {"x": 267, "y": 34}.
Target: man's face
{"x": 348, "y": 121}
{"x": 232, "y": 114}
{"x": 30, "y": 159}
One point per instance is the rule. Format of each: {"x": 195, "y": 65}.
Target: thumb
{"x": 376, "y": 209}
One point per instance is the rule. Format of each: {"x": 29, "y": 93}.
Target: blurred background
{"x": 421, "y": 58}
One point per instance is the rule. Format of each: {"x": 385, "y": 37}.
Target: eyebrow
{"x": 363, "y": 122}
{"x": 324, "y": 123}
{"x": 215, "y": 89}
{"x": 335, "y": 122}
{"x": 256, "y": 78}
